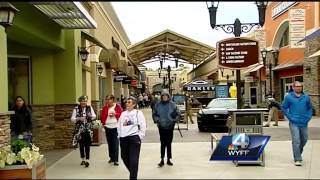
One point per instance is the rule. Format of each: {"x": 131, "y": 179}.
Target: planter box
{"x": 97, "y": 139}
{"x": 38, "y": 171}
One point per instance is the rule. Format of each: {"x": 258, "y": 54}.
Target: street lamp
{"x": 237, "y": 28}
{"x": 176, "y": 54}
{"x": 100, "y": 70}
{"x": 275, "y": 53}
{"x": 83, "y": 52}
{"x": 7, "y": 12}
{"x": 264, "y": 53}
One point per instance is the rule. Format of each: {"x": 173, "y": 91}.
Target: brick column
{"x": 5, "y": 136}
{"x": 311, "y": 79}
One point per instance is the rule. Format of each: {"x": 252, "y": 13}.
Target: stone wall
{"x": 52, "y": 127}
{"x": 5, "y": 128}
{"x": 96, "y": 107}
{"x": 63, "y": 125}
{"x": 311, "y": 79}
{"x": 43, "y": 126}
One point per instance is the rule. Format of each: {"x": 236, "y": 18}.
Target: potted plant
{"x": 21, "y": 160}
{"x": 96, "y": 139}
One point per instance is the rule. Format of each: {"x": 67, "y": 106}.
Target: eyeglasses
{"x": 297, "y": 86}
{"x": 129, "y": 102}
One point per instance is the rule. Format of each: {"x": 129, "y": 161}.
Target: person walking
{"x": 109, "y": 118}
{"x": 297, "y": 107}
{"x": 21, "y": 121}
{"x": 131, "y": 130}
{"x": 273, "y": 107}
{"x": 165, "y": 115}
{"x": 82, "y": 116}
{"x": 188, "y": 113}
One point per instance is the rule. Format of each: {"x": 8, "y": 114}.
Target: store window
{"x": 19, "y": 79}
{"x": 285, "y": 38}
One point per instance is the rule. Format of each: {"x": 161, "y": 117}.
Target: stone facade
{"x": 5, "y": 128}
{"x": 52, "y": 128}
{"x": 96, "y": 107}
{"x": 311, "y": 79}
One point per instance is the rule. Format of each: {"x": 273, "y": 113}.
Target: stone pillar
{"x": 125, "y": 90}
{"x": 311, "y": 80}
{"x": 118, "y": 90}
{"x": 94, "y": 82}
{"x": 43, "y": 124}
{"x": 109, "y": 82}
{"x": 5, "y": 131}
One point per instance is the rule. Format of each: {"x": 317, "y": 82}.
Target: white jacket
{"x": 132, "y": 123}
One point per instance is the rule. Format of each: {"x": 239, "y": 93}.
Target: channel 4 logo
{"x": 240, "y": 147}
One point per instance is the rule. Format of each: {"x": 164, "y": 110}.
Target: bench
{"x": 216, "y": 137}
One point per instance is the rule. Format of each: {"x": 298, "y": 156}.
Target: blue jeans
{"x": 299, "y": 136}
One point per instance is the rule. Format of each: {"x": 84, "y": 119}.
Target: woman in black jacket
{"x": 21, "y": 123}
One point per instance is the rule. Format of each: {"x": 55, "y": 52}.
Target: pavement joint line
{"x": 69, "y": 154}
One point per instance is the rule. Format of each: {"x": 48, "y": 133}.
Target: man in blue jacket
{"x": 165, "y": 115}
{"x": 297, "y": 108}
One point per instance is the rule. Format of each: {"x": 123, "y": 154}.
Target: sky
{"x": 141, "y": 20}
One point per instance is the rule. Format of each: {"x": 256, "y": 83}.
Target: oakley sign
{"x": 237, "y": 53}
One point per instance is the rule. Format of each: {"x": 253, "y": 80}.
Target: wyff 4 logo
{"x": 240, "y": 143}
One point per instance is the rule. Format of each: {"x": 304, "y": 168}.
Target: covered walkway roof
{"x": 167, "y": 42}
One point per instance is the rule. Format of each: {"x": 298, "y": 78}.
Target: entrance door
{"x": 253, "y": 95}
{"x": 19, "y": 79}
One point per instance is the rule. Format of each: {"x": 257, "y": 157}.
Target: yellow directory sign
{"x": 233, "y": 91}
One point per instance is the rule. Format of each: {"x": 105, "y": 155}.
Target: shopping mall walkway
{"x": 191, "y": 160}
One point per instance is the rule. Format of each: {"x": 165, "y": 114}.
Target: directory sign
{"x": 238, "y": 52}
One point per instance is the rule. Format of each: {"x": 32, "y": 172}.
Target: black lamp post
{"x": 176, "y": 54}
{"x": 237, "y": 28}
{"x": 7, "y": 12}
{"x": 264, "y": 53}
{"x": 275, "y": 53}
{"x": 100, "y": 70}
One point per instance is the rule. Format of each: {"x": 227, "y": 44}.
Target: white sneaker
{"x": 297, "y": 163}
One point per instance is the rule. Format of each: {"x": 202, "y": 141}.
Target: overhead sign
{"x": 237, "y": 53}
{"x": 248, "y": 79}
{"x": 282, "y": 7}
{"x": 240, "y": 147}
{"x": 297, "y": 28}
{"x": 199, "y": 85}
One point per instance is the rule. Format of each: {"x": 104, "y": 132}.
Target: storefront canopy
{"x": 311, "y": 36}
{"x": 199, "y": 85}
{"x": 289, "y": 64}
{"x": 168, "y": 42}
{"x": 68, "y": 14}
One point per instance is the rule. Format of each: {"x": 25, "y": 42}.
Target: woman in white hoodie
{"x": 131, "y": 130}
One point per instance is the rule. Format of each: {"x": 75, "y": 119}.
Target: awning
{"x": 288, "y": 65}
{"x": 315, "y": 54}
{"x": 253, "y": 68}
{"x": 68, "y": 14}
{"x": 199, "y": 85}
{"x": 110, "y": 56}
{"x": 92, "y": 39}
{"x": 311, "y": 36}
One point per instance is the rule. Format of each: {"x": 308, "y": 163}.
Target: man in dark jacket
{"x": 273, "y": 107}
{"x": 297, "y": 108}
{"x": 165, "y": 115}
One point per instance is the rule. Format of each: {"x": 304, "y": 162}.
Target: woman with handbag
{"x": 82, "y": 116}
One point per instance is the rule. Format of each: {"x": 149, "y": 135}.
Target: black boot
{"x": 87, "y": 164}
{"x": 161, "y": 163}
{"x": 169, "y": 162}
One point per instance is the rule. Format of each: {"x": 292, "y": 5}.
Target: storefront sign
{"x": 199, "y": 85}
{"x": 240, "y": 147}
{"x": 297, "y": 27}
{"x": 134, "y": 83}
{"x": 237, "y": 53}
{"x": 222, "y": 91}
{"x": 115, "y": 44}
{"x": 260, "y": 36}
{"x": 248, "y": 79}
{"x": 281, "y": 8}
